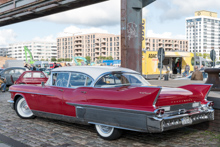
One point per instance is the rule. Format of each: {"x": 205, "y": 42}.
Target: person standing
{"x": 178, "y": 66}
{"x": 202, "y": 68}
{"x": 187, "y": 69}
{"x": 55, "y": 65}
{"x": 197, "y": 75}
{"x": 3, "y": 84}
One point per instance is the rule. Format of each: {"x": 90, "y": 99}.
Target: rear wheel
{"x": 22, "y": 109}
{"x": 108, "y": 133}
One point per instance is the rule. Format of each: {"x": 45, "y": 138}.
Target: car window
{"x": 79, "y": 80}
{"x": 120, "y": 79}
{"x": 60, "y": 79}
{"x": 18, "y": 71}
{"x": 38, "y": 75}
{"x": 27, "y": 75}
{"x": 10, "y": 72}
{"x": 51, "y": 65}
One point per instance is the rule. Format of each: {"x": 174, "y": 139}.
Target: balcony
{"x": 78, "y": 42}
{"x": 78, "y": 51}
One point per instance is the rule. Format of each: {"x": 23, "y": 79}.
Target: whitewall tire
{"x": 22, "y": 109}
{"x": 108, "y": 133}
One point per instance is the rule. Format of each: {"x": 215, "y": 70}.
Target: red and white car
{"x": 112, "y": 99}
{"x": 31, "y": 77}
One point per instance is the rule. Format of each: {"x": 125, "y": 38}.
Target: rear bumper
{"x": 156, "y": 125}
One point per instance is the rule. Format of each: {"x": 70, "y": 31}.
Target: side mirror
{"x": 42, "y": 84}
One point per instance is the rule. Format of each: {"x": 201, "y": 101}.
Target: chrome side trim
{"x": 116, "y": 127}
{"x": 30, "y": 92}
{"x": 155, "y": 100}
{"x": 111, "y": 108}
{"x": 10, "y": 101}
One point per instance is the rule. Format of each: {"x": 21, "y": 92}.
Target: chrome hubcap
{"x": 23, "y": 108}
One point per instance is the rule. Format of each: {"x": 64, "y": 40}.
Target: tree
{"x": 42, "y": 60}
{"x": 205, "y": 55}
{"x": 199, "y": 54}
{"x": 59, "y": 60}
{"x": 54, "y": 59}
{"x": 109, "y": 58}
{"x": 88, "y": 59}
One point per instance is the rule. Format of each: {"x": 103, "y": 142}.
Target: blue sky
{"x": 165, "y": 18}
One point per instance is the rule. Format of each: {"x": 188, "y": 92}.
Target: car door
{"x": 76, "y": 92}
{"x": 51, "y": 99}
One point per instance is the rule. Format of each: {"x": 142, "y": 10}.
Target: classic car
{"x": 32, "y": 77}
{"x": 112, "y": 99}
{"x": 12, "y": 74}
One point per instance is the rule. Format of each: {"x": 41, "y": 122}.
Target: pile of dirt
{"x": 3, "y": 59}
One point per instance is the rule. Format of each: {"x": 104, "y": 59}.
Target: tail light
{"x": 159, "y": 112}
{"x": 210, "y": 104}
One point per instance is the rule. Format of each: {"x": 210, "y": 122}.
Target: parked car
{"x": 113, "y": 99}
{"x": 32, "y": 77}
{"x": 52, "y": 65}
{"x": 12, "y": 74}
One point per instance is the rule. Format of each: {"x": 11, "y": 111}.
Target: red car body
{"x": 32, "y": 77}
{"x": 52, "y": 65}
{"x": 131, "y": 106}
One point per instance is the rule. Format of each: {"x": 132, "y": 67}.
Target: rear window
{"x": 38, "y": 75}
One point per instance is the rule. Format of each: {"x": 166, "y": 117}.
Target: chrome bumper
{"x": 156, "y": 125}
{"x": 11, "y": 103}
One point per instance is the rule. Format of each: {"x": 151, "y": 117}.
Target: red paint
{"x": 53, "y": 99}
{"x": 31, "y": 80}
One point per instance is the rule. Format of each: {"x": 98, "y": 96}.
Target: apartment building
{"x": 4, "y": 52}
{"x": 39, "y": 50}
{"x": 203, "y": 32}
{"x": 153, "y": 44}
{"x": 93, "y": 45}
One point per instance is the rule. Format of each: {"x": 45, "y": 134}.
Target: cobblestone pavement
{"x": 47, "y": 132}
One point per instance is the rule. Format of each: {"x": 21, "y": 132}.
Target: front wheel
{"x": 22, "y": 109}
{"x": 108, "y": 133}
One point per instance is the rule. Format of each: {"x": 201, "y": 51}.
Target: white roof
{"x": 93, "y": 71}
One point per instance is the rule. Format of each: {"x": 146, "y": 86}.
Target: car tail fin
{"x": 202, "y": 89}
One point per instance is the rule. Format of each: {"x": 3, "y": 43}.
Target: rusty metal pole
{"x": 131, "y": 27}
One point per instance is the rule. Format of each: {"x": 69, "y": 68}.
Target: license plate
{"x": 186, "y": 120}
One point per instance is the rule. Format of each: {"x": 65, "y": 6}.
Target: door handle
{"x": 83, "y": 92}
{"x": 61, "y": 90}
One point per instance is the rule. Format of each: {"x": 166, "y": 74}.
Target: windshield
{"x": 121, "y": 79}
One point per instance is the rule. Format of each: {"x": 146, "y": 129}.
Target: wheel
{"x": 22, "y": 109}
{"x": 108, "y": 133}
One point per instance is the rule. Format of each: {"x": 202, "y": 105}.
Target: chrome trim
{"x": 30, "y": 92}
{"x": 10, "y": 101}
{"x": 155, "y": 100}
{"x": 116, "y": 127}
{"x": 111, "y": 108}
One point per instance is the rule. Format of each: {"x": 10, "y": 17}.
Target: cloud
{"x": 69, "y": 31}
{"x": 102, "y": 14}
{"x": 7, "y": 36}
{"x": 178, "y": 9}
{"x": 151, "y": 33}
{"x": 50, "y": 38}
